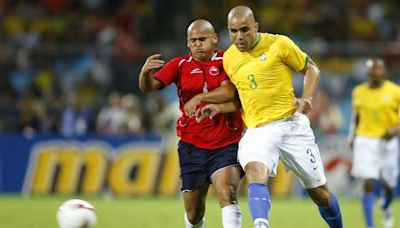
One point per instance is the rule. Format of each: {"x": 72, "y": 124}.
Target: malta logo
{"x": 214, "y": 71}
{"x": 263, "y": 57}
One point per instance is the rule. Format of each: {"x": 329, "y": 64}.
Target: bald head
{"x": 201, "y": 39}
{"x": 242, "y": 12}
{"x": 243, "y": 28}
{"x": 200, "y": 25}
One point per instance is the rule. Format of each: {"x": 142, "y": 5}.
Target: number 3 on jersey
{"x": 252, "y": 80}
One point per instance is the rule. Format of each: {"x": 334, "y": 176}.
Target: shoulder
{"x": 230, "y": 51}
{"x": 360, "y": 88}
{"x": 391, "y": 87}
{"x": 219, "y": 54}
{"x": 391, "y": 84}
{"x": 181, "y": 59}
{"x": 282, "y": 40}
{"x": 230, "y": 54}
{"x": 270, "y": 36}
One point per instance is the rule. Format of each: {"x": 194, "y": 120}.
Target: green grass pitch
{"x": 167, "y": 212}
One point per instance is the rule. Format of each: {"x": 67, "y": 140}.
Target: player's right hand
{"x": 207, "y": 111}
{"x": 389, "y": 134}
{"x": 152, "y": 62}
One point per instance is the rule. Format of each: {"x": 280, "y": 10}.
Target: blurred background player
{"x": 207, "y": 150}
{"x": 259, "y": 65}
{"x": 373, "y": 137}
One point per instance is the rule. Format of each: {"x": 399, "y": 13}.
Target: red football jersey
{"x": 193, "y": 77}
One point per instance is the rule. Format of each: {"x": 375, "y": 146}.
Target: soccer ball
{"x": 76, "y": 213}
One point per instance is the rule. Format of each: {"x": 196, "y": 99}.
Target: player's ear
{"x": 215, "y": 38}
{"x": 256, "y": 26}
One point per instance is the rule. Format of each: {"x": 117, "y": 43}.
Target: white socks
{"x": 201, "y": 224}
{"x": 232, "y": 216}
{"x": 261, "y": 223}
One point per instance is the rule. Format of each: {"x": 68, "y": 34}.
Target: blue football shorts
{"x": 197, "y": 165}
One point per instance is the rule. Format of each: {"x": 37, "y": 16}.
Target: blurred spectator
{"x": 29, "y": 118}
{"x": 162, "y": 116}
{"x": 132, "y": 121}
{"x": 54, "y": 113}
{"x": 325, "y": 117}
{"x": 76, "y": 119}
{"x": 110, "y": 117}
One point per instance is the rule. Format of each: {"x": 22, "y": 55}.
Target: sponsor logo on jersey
{"x": 196, "y": 71}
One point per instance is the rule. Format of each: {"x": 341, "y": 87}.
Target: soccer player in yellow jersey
{"x": 373, "y": 138}
{"x": 260, "y": 65}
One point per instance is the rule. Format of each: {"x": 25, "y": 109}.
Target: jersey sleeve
{"x": 292, "y": 55}
{"x": 169, "y": 72}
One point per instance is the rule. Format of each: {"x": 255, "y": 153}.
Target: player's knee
{"x": 194, "y": 216}
{"x": 226, "y": 195}
{"x": 321, "y": 196}
{"x": 256, "y": 172}
{"x": 369, "y": 185}
{"x": 324, "y": 199}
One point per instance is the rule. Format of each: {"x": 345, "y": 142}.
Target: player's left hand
{"x": 207, "y": 111}
{"x": 191, "y": 106}
{"x": 303, "y": 105}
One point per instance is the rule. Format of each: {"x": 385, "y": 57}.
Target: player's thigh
{"x": 366, "y": 158}
{"x": 195, "y": 201}
{"x": 390, "y": 162}
{"x": 300, "y": 153}
{"x": 227, "y": 177}
{"x": 260, "y": 145}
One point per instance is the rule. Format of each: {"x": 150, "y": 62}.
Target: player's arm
{"x": 395, "y": 131}
{"x": 211, "y": 110}
{"x": 352, "y": 129}
{"x": 146, "y": 81}
{"x": 224, "y": 93}
{"x": 311, "y": 82}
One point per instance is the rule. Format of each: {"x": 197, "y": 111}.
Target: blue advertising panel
{"x": 16, "y": 151}
{"x": 93, "y": 165}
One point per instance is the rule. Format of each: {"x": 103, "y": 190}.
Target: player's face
{"x": 376, "y": 71}
{"x": 243, "y": 32}
{"x": 201, "y": 44}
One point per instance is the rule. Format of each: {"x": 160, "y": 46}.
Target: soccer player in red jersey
{"x": 208, "y": 147}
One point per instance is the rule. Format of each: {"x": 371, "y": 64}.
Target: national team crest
{"x": 214, "y": 71}
{"x": 385, "y": 97}
{"x": 263, "y": 57}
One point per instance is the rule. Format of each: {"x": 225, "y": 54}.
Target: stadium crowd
{"x": 71, "y": 67}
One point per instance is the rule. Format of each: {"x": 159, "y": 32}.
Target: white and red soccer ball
{"x": 76, "y": 213}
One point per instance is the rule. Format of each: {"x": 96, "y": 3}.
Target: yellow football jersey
{"x": 377, "y": 108}
{"x": 263, "y": 77}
